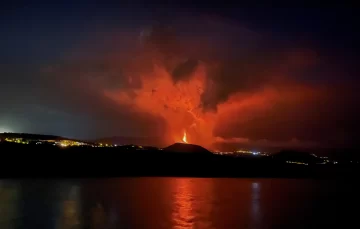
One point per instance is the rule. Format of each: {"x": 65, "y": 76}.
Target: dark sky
{"x": 256, "y": 76}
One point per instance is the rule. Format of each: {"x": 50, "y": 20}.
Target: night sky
{"x": 230, "y": 75}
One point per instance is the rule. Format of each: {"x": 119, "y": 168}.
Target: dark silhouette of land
{"x": 120, "y": 140}
{"x": 186, "y": 148}
{"x": 32, "y": 136}
{"x": 48, "y": 160}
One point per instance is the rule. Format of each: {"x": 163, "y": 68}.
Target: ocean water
{"x": 181, "y": 203}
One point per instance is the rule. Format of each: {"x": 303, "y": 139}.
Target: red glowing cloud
{"x": 178, "y": 103}
{"x": 181, "y": 103}
{"x": 214, "y": 89}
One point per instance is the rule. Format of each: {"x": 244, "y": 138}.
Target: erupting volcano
{"x": 200, "y": 91}
{"x": 178, "y": 103}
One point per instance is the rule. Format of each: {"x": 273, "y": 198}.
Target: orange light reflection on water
{"x": 182, "y": 213}
{"x": 189, "y": 205}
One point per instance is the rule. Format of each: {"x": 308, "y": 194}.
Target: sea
{"x": 178, "y": 203}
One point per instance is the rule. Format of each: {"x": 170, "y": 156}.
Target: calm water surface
{"x": 178, "y": 203}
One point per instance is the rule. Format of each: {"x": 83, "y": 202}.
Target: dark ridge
{"x": 292, "y": 155}
{"x": 186, "y": 148}
{"x": 33, "y": 136}
{"x": 120, "y": 140}
{"x": 34, "y": 161}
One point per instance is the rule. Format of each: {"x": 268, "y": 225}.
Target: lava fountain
{"x": 184, "y": 138}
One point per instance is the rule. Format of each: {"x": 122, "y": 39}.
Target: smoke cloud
{"x": 215, "y": 79}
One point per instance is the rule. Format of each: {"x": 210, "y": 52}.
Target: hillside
{"x": 186, "y": 148}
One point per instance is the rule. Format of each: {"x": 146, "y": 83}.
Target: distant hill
{"x": 143, "y": 141}
{"x": 186, "y": 148}
{"x": 291, "y": 155}
{"x": 32, "y": 136}
{"x": 345, "y": 154}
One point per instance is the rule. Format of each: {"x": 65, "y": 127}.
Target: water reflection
{"x": 70, "y": 208}
{"x": 191, "y": 206}
{"x": 98, "y": 217}
{"x": 177, "y": 203}
{"x": 9, "y": 205}
{"x": 255, "y": 205}
{"x": 183, "y": 212}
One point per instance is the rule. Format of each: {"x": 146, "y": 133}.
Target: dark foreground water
{"x": 179, "y": 203}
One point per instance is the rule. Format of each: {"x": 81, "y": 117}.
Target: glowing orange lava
{"x": 184, "y": 138}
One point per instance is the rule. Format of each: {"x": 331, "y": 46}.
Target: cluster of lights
{"x": 61, "y": 143}
{"x": 17, "y": 140}
{"x": 66, "y": 143}
{"x": 238, "y": 152}
{"x": 104, "y": 145}
{"x": 296, "y": 162}
{"x": 224, "y": 153}
{"x": 251, "y": 152}
{"x": 244, "y": 151}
